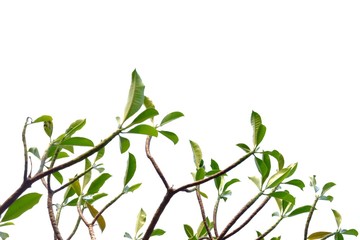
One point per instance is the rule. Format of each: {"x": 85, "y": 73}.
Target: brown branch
{"x": 152, "y": 160}
{"x": 203, "y": 214}
{"x": 106, "y": 207}
{"x": 270, "y": 229}
{"x": 307, "y": 224}
{"x": 57, "y": 234}
{"x": 25, "y": 150}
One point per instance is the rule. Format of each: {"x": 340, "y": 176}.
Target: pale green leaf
{"x": 100, "y": 220}
{"x": 135, "y": 96}
{"x": 141, "y": 219}
{"x": 337, "y": 217}
{"x": 196, "y": 153}
{"x": 171, "y": 117}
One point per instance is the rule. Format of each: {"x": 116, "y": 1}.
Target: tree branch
{"x": 203, "y": 215}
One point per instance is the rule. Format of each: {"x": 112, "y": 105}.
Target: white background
{"x": 295, "y": 63}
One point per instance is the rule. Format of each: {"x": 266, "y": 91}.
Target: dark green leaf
{"x": 69, "y": 192}
{"x": 170, "y": 135}
{"x": 244, "y": 147}
{"x": 200, "y": 174}
{"x": 260, "y": 134}
{"x": 157, "y": 232}
{"x": 327, "y": 187}
{"x": 141, "y": 219}
{"x": 256, "y": 123}
{"x": 130, "y": 170}
{"x": 229, "y": 183}
{"x": 188, "y": 230}
{"x": 300, "y": 210}
{"x": 145, "y": 115}
{"x": 98, "y": 183}
{"x": 352, "y": 232}
{"x": 135, "y": 97}
{"x": 196, "y": 153}
{"x": 144, "y": 129}
{"x": 21, "y": 205}
{"x": 339, "y": 236}
{"x": 262, "y": 168}
{"x": 58, "y": 177}
{"x": 171, "y": 117}
{"x": 43, "y": 118}
{"x": 124, "y": 144}
{"x": 100, "y": 154}
{"x": 296, "y": 182}
{"x": 35, "y": 151}
{"x": 77, "y": 141}
{"x": 279, "y": 157}
{"x": 62, "y": 155}
{"x": 100, "y": 220}
{"x": 284, "y": 195}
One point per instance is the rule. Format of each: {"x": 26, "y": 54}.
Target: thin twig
{"x": 106, "y": 207}
{"x": 152, "y": 160}
{"x": 270, "y": 229}
{"x": 75, "y": 228}
{"x": 307, "y": 224}
{"x": 216, "y": 207}
{"x": 57, "y": 234}
{"x": 25, "y": 150}
{"x": 203, "y": 214}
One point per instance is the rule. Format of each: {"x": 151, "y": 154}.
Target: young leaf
{"x": 21, "y": 205}
{"x": 35, "y": 151}
{"x": 171, "y": 117}
{"x": 244, "y": 147}
{"x": 352, "y": 232}
{"x": 188, "y": 230}
{"x": 148, "y": 103}
{"x": 124, "y": 144}
{"x": 200, "y": 174}
{"x": 279, "y": 176}
{"x": 78, "y": 141}
{"x": 327, "y": 187}
{"x": 144, "y": 129}
{"x": 297, "y": 183}
{"x": 260, "y": 134}
{"x": 43, "y": 118}
{"x": 141, "y": 219}
{"x": 229, "y": 183}
{"x": 100, "y": 154}
{"x": 98, "y": 183}
{"x": 196, "y": 153}
{"x": 76, "y": 187}
{"x": 337, "y": 217}
{"x": 74, "y": 127}
{"x": 130, "y": 170}
{"x": 256, "y": 181}
{"x": 284, "y": 195}
{"x": 3, "y": 235}
{"x": 87, "y": 175}
{"x": 256, "y": 123}
{"x": 157, "y": 232}
{"x": 48, "y": 128}
{"x": 132, "y": 188}
{"x": 100, "y": 220}
{"x": 58, "y": 177}
{"x": 170, "y": 135}
{"x": 135, "y": 97}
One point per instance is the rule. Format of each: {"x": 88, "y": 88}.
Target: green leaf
{"x": 318, "y": 235}
{"x": 62, "y": 155}
{"x": 196, "y": 153}
{"x": 100, "y": 220}
{"x": 98, "y": 183}
{"x": 87, "y": 175}
{"x": 124, "y": 144}
{"x": 337, "y": 217}
{"x": 170, "y": 135}
{"x": 256, "y": 181}
{"x": 148, "y": 103}
{"x": 3, "y": 235}
{"x": 157, "y": 232}
{"x": 262, "y": 168}
{"x": 327, "y": 187}
{"x": 141, "y": 219}
{"x": 171, "y": 117}
{"x": 326, "y": 198}
{"x": 43, "y": 118}
{"x": 145, "y": 115}
{"x": 279, "y": 158}
{"x": 6, "y": 224}
{"x": 135, "y": 97}
{"x": 200, "y": 174}
{"x": 244, "y": 147}
{"x": 300, "y": 210}
{"x": 256, "y": 123}
{"x": 352, "y": 232}
{"x": 132, "y": 188}
{"x": 76, "y": 187}
{"x": 34, "y": 151}
{"x": 91, "y": 199}
{"x": 188, "y": 230}
{"x": 339, "y": 236}
{"x": 144, "y": 129}
{"x": 127, "y": 235}
{"x": 58, "y": 177}
{"x": 130, "y": 170}
{"x": 284, "y": 195}
{"x": 48, "y": 128}
{"x": 297, "y": 183}
{"x": 279, "y": 176}
{"x": 21, "y": 205}
{"x": 74, "y": 127}
{"x": 229, "y": 183}
{"x": 100, "y": 154}
{"x": 260, "y": 134}
{"x": 77, "y": 141}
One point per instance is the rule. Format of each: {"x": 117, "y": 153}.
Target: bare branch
{"x": 25, "y": 150}
{"x": 203, "y": 214}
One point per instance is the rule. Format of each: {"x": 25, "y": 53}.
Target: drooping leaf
{"x": 87, "y": 175}
{"x": 135, "y": 97}
{"x": 256, "y": 181}
{"x": 279, "y": 158}
{"x": 58, "y": 177}
{"x": 48, "y": 128}
{"x": 100, "y": 220}
{"x": 171, "y": 117}
{"x": 130, "y": 170}
{"x": 21, "y": 205}
{"x": 327, "y": 187}
{"x": 300, "y": 210}
{"x": 141, "y": 219}
{"x": 337, "y": 217}
{"x": 34, "y": 151}
{"x": 76, "y": 186}
{"x": 170, "y": 135}
{"x": 145, "y": 115}
{"x": 157, "y": 232}
{"x": 296, "y": 182}
{"x": 124, "y": 144}
{"x": 74, "y": 127}
{"x": 196, "y": 153}
{"x": 78, "y": 141}
{"x": 144, "y": 129}
{"x": 43, "y": 118}
{"x": 352, "y": 232}
{"x": 284, "y": 195}
{"x": 318, "y": 235}
{"x": 98, "y": 183}
{"x": 229, "y": 183}
{"x": 244, "y": 147}
{"x": 262, "y": 168}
